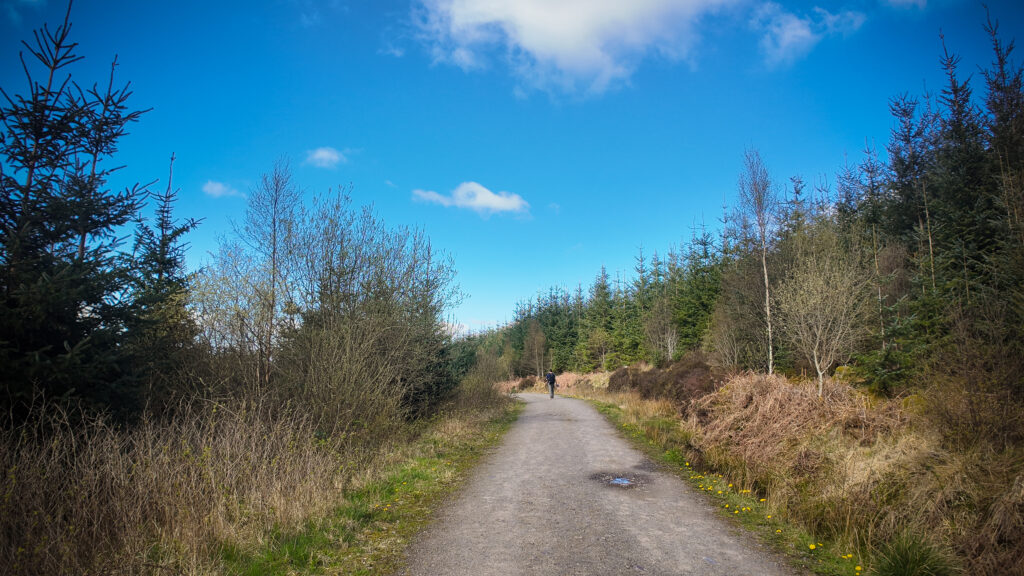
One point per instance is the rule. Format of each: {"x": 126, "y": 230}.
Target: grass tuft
{"x": 911, "y": 555}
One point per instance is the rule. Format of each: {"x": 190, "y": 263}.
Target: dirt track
{"x": 543, "y": 503}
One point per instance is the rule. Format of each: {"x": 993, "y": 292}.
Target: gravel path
{"x": 542, "y": 503}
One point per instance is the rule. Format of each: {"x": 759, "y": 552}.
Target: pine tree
{"x": 698, "y": 290}
{"x": 162, "y": 334}
{"x": 64, "y": 291}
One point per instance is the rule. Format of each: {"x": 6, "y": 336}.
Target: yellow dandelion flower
{"x": 735, "y": 511}
{"x": 779, "y": 531}
{"x": 811, "y": 546}
{"x": 858, "y": 568}
{"x": 762, "y": 499}
{"x": 769, "y": 516}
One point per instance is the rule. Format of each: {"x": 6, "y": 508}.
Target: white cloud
{"x": 787, "y": 37}
{"x": 325, "y": 157}
{"x": 473, "y": 196}
{"x": 220, "y": 190}
{"x": 567, "y": 45}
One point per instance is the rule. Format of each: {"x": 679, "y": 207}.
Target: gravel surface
{"x": 565, "y": 494}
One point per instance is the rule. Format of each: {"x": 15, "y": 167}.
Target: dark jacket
{"x": 550, "y": 377}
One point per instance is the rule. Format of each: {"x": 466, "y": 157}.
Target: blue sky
{"x": 533, "y": 140}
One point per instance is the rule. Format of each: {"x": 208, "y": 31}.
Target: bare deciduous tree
{"x": 758, "y": 202}
{"x": 268, "y": 231}
{"x": 535, "y": 348}
{"x": 659, "y": 329}
{"x": 825, "y": 305}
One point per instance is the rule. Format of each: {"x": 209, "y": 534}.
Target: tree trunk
{"x": 821, "y": 375}
{"x": 767, "y": 306}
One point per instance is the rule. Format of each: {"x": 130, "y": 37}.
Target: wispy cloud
{"x": 563, "y": 45}
{"x": 473, "y": 196}
{"x": 13, "y": 8}
{"x": 787, "y": 37}
{"x": 316, "y": 13}
{"x": 220, "y": 190}
{"x": 325, "y": 157}
{"x": 921, "y": 4}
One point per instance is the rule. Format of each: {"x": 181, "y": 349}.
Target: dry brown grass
{"x": 848, "y": 467}
{"x": 760, "y": 416}
{"x": 84, "y": 497}
{"x": 567, "y": 382}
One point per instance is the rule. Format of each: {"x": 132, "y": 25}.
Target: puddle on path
{"x": 621, "y": 480}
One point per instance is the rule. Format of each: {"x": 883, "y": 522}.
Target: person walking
{"x": 550, "y": 377}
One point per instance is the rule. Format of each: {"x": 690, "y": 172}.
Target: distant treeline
{"x": 906, "y": 266}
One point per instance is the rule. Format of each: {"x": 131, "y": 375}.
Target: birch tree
{"x": 825, "y": 304}
{"x": 758, "y": 204}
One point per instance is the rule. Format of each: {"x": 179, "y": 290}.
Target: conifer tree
{"x": 64, "y": 291}
{"x": 162, "y": 334}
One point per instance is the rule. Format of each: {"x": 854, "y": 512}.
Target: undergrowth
{"x": 369, "y": 532}
{"x": 226, "y": 488}
{"x": 838, "y": 482}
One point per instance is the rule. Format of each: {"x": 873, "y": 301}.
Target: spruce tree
{"x": 162, "y": 332}
{"x": 64, "y": 290}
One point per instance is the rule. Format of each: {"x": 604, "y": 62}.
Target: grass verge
{"x": 369, "y": 533}
{"x": 654, "y": 427}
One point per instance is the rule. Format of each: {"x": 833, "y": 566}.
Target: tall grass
{"x": 872, "y": 475}
{"x": 81, "y": 496}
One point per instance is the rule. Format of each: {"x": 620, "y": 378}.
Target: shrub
{"x": 620, "y": 380}
{"x": 689, "y": 378}
{"x": 527, "y": 383}
{"x": 911, "y": 555}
